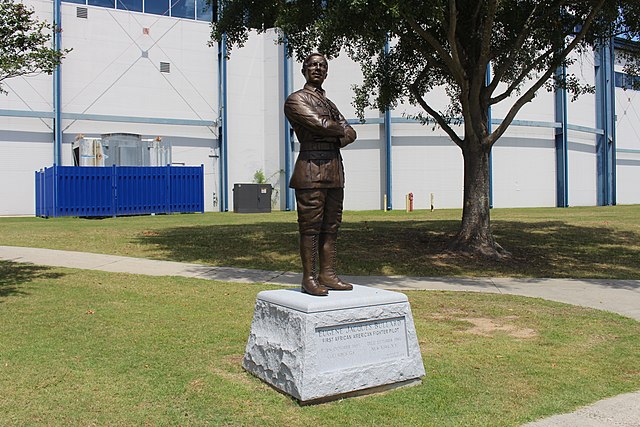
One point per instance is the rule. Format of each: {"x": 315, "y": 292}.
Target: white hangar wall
{"x": 113, "y": 75}
{"x": 628, "y": 146}
{"x": 425, "y": 161}
{"x": 524, "y": 168}
{"x": 425, "y": 165}
{"x": 523, "y": 158}
{"x": 25, "y": 143}
{"x": 255, "y": 120}
{"x": 113, "y": 72}
{"x": 582, "y": 164}
{"x": 627, "y": 108}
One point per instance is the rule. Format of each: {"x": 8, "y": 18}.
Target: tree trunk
{"x": 475, "y": 237}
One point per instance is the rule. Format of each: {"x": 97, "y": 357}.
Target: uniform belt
{"x": 318, "y": 146}
{"x": 318, "y": 155}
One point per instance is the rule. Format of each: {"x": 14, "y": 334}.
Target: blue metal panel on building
{"x": 90, "y": 191}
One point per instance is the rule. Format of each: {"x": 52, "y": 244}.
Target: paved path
{"x": 619, "y": 296}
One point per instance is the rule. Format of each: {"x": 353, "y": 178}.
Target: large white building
{"x": 145, "y": 67}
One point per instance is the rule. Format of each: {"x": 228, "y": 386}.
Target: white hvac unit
{"x": 124, "y": 149}
{"x": 159, "y": 152}
{"x": 121, "y": 149}
{"x": 88, "y": 151}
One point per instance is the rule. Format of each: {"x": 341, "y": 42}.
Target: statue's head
{"x": 314, "y": 69}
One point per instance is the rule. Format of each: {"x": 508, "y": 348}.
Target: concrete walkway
{"x": 619, "y": 296}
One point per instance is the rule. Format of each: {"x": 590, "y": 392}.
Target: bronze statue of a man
{"x": 318, "y": 176}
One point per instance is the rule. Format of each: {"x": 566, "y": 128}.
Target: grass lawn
{"x": 589, "y": 242}
{"x": 94, "y": 348}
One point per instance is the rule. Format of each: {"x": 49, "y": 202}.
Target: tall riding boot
{"x": 328, "y": 260}
{"x": 309, "y": 255}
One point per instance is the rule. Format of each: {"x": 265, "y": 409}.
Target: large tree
{"x": 450, "y": 44}
{"x": 24, "y": 43}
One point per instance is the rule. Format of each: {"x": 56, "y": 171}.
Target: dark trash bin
{"x": 252, "y": 198}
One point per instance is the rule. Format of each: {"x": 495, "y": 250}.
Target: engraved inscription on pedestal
{"x": 357, "y": 344}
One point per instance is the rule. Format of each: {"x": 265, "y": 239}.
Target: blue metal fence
{"x": 118, "y": 190}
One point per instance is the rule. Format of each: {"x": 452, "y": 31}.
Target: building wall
{"x": 113, "y": 73}
{"x": 255, "y": 118}
{"x": 21, "y": 154}
{"x": 524, "y": 170}
{"x": 628, "y": 144}
{"x": 582, "y": 166}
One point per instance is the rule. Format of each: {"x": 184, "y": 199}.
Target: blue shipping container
{"x": 95, "y": 191}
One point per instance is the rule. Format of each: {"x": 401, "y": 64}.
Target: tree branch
{"x": 479, "y": 80}
{"x": 451, "y": 33}
{"x": 528, "y": 96}
{"x": 476, "y": 11}
{"x": 406, "y": 38}
{"x": 499, "y": 72}
{"x": 485, "y": 49}
{"x": 455, "y": 68}
{"x": 518, "y": 80}
{"x": 433, "y": 113}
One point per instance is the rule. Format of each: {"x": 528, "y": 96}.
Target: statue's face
{"x": 315, "y": 70}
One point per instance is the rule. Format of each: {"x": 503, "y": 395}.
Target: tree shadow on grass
{"x": 413, "y": 248}
{"x": 557, "y": 249}
{"x": 13, "y": 275}
{"x": 268, "y": 245}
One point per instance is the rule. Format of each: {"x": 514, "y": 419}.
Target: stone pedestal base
{"x": 323, "y": 348}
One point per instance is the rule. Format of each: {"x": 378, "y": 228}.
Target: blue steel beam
{"x": 222, "y": 120}
{"x": 109, "y": 118}
{"x": 388, "y": 158}
{"x": 611, "y": 117}
{"x": 57, "y": 92}
{"x": 489, "y": 129}
{"x": 561, "y": 143}
{"x": 605, "y": 120}
{"x": 585, "y": 129}
{"x": 388, "y": 147}
{"x": 25, "y": 113}
{"x": 288, "y": 130}
{"x": 145, "y": 120}
{"x": 521, "y": 123}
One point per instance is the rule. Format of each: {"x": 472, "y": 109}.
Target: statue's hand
{"x": 349, "y": 136}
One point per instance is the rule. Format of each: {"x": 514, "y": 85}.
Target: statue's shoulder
{"x": 297, "y": 99}
{"x": 298, "y": 95}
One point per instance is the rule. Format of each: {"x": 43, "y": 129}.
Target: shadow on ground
{"x": 412, "y": 248}
{"x": 14, "y": 275}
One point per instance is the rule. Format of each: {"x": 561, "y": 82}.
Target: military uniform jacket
{"x": 322, "y": 131}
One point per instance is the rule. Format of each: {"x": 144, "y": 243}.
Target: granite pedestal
{"x": 324, "y": 348}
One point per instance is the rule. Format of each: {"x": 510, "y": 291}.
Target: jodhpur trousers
{"x": 319, "y": 210}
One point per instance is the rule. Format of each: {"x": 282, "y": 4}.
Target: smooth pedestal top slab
{"x": 360, "y": 296}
